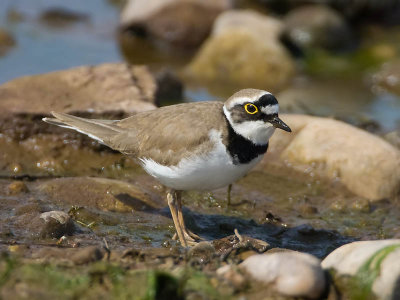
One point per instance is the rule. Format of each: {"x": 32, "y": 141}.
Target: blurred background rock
{"x": 326, "y": 58}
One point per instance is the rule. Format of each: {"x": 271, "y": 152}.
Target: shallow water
{"x": 43, "y": 48}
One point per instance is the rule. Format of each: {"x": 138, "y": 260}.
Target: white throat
{"x": 258, "y": 132}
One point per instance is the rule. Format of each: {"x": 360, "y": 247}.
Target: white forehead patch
{"x": 243, "y": 100}
{"x": 270, "y": 109}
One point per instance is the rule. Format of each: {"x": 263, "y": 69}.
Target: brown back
{"x": 170, "y": 133}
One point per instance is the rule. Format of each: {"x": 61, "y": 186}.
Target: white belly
{"x": 206, "y": 172}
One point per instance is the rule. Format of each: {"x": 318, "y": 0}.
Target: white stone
{"x": 292, "y": 274}
{"x": 59, "y": 216}
{"x": 347, "y": 260}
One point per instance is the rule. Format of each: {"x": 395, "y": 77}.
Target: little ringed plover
{"x": 190, "y": 146}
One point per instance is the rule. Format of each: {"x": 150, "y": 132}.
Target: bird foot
{"x": 190, "y": 237}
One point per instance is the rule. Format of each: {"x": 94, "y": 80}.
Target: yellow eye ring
{"x": 251, "y": 108}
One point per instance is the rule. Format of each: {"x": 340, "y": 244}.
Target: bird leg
{"x": 172, "y": 203}
{"x": 190, "y": 236}
{"x": 229, "y": 194}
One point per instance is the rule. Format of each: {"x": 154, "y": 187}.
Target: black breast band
{"x": 241, "y": 149}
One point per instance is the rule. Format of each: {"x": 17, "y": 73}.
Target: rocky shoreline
{"x": 117, "y": 218}
{"x": 318, "y": 218}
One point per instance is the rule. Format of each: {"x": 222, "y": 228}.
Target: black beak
{"x": 278, "y": 123}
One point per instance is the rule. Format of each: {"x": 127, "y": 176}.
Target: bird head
{"x": 253, "y": 114}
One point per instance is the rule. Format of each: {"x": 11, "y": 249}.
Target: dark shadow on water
{"x": 135, "y": 203}
{"x": 304, "y": 238}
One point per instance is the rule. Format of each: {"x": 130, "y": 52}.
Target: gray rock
{"x": 60, "y": 216}
{"x": 373, "y": 266}
{"x": 291, "y": 274}
{"x": 52, "y": 224}
{"x": 319, "y": 26}
{"x": 366, "y": 164}
{"x": 243, "y": 50}
{"x": 179, "y": 22}
{"x": 95, "y": 89}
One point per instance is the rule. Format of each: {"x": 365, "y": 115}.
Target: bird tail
{"x": 100, "y": 130}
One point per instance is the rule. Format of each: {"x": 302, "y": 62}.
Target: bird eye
{"x": 251, "y": 108}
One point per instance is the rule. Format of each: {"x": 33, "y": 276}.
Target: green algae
{"x": 359, "y": 286}
{"x": 103, "y": 279}
{"x": 371, "y": 54}
{"x": 42, "y": 279}
{"x": 368, "y": 272}
{"x": 7, "y": 264}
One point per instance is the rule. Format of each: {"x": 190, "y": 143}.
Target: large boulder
{"x": 178, "y": 22}
{"x": 366, "y": 269}
{"x": 102, "y": 91}
{"x": 244, "y": 50}
{"x": 366, "y": 164}
{"x": 94, "y": 89}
